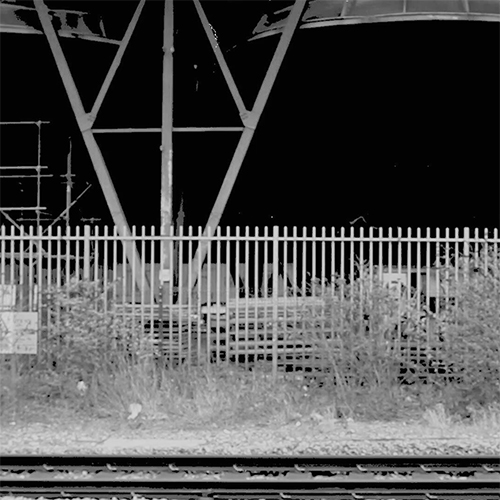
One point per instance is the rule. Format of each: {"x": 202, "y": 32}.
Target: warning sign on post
{"x": 18, "y": 332}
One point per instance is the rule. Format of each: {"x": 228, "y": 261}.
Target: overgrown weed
{"x": 99, "y": 364}
{"x": 374, "y": 337}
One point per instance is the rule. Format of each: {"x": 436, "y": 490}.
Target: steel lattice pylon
{"x": 301, "y": 14}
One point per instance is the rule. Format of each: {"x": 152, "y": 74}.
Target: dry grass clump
{"x": 196, "y": 395}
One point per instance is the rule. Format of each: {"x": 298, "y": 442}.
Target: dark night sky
{"x": 398, "y": 122}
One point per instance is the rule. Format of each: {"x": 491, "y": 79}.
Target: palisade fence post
{"x": 275, "y": 300}
{"x": 39, "y": 289}
{"x": 466, "y": 254}
{"x": 161, "y": 297}
{"x": 86, "y": 253}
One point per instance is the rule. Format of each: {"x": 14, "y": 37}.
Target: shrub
{"x": 362, "y": 327}
{"x": 82, "y": 334}
{"x": 370, "y": 334}
{"x": 471, "y": 328}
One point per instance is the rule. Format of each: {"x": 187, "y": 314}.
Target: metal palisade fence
{"x": 294, "y": 298}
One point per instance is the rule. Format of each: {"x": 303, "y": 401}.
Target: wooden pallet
{"x": 245, "y": 327}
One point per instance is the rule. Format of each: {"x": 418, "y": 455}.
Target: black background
{"x": 397, "y": 122}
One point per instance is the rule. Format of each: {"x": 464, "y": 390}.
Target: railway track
{"x": 246, "y": 477}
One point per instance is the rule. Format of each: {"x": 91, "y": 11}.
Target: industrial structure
{"x": 290, "y": 290}
{"x": 56, "y": 24}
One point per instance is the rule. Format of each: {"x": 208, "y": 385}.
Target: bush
{"x": 471, "y": 329}
{"x": 371, "y": 335}
{"x": 360, "y": 326}
{"x": 81, "y": 335}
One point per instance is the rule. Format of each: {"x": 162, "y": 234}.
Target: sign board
{"x": 165, "y": 275}
{"x": 7, "y": 297}
{"x": 18, "y": 332}
{"x": 392, "y": 280}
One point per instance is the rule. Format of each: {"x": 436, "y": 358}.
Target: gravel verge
{"x": 329, "y": 437}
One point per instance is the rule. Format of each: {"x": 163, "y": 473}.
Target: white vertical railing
{"x": 254, "y": 280}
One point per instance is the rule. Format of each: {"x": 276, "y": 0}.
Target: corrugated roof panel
{"x": 485, "y": 6}
{"x": 372, "y": 8}
{"x": 321, "y": 13}
{"x": 420, "y": 6}
{"x": 332, "y": 8}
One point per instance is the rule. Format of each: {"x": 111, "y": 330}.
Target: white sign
{"x": 18, "y": 332}
{"x": 7, "y": 297}
{"x": 165, "y": 276}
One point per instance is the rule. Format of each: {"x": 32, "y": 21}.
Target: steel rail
{"x": 256, "y": 463}
{"x": 251, "y": 477}
{"x": 264, "y": 489}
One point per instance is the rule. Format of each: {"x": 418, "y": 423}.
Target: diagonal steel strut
{"x": 85, "y": 123}
{"x": 116, "y": 61}
{"x": 221, "y": 60}
{"x": 250, "y": 123}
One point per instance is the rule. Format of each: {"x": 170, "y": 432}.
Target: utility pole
{"x": 166, "y": 274}
{"x": 166, "y": 142}
{"x": 69, "y": 183}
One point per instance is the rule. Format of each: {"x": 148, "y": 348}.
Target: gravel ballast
{"x": 321, "y": 436}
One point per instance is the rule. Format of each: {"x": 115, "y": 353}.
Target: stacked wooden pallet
{"x": 176, "y": 312}
{"x": 175, "y": 328}
{"x": 288, "y": 349}
{"x": 260, "y": 312}
{"x": 260, "y": 328}
{"x": 251, "y": 329}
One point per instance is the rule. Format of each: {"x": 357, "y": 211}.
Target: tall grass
{"x": 372, "y": 336}
{"x": 101, "y": 363}
{"x": 357, "y": 330}
{"x": 471, "y": 329}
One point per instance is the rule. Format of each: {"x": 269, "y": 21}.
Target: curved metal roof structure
{"x": 324, "y": 13}
{"x": 18, "y": 18}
